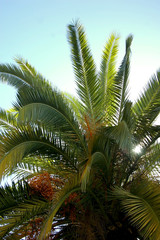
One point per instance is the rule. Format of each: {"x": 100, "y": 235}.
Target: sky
{"x": 37, "y": 31}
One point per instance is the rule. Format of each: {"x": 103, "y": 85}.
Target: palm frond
{"x": 12, "y": 195}
{"x": 33, "y": 165}
{"x": 21, "y": 213}
{"x": 7, "y": 119}
{"x": 122, "y": 136}
{"x": 120, "y": 90}
{"x": 142, "y": 208}
{"x": 96, "y": 159}
{"x": 14, "y": 76}
{"x": 107, "y": 74}
{"x": 75, "y": 105}
{"x": 17, "y": 206}
{"x": 150, "y": 160}
{"x": 85, "y": 71}
{"x": 21, "y": 76}
{"x": 147, "y": 107}
{"x": 37, "y": 80}
{"x": 51, "y": 109}
{"x": 146, "y": 134}
{"x": 16, "y": 145}
{"x": 25, "y": 66}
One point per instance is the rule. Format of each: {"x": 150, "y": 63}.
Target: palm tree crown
{"x": 79, "y": 176}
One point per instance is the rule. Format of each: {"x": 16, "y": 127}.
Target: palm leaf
{"x": 50, "y": 108}
{"x": 107, "y": 74}
{"x": 20, "y": 214}
{"x": 142, "y": 208}
{"x": 97, "y": 158}
{"x": 26, "y": 67}
{"x": 146, "y": 134}
{"x": 17, "y": 206}
{"x": 120, "y": 90}
{"x": 14, "y": 76}
{"x": 85, "y": 71}
{"x": 34, "y": 165}
{"x": 75, "y": 105}
{"x": 147, "y": 107}
{"x": 121, "y": 134}
{"x": 151, "y": 158}
{"x": 7, "y": 119}
{"x": 16, "y": 145}
{"x": 23, "y": 76}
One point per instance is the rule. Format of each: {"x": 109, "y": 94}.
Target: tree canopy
{"x": 76, "y": 172}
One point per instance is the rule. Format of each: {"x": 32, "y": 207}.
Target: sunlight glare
{"x": 137, "y": 149}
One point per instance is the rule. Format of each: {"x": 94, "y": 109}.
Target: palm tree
{"x": 79, "y": 176}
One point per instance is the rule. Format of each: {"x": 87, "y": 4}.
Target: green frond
{"x": 16, "y": 145}
{"x": 96, "y": 159}
{"x": 16, "y": 207}
{"x": 75, "y": 105}
{"x": 120, "y": 90}
{"x": 21, "y": 213}
{"x": 12, "y": 195}
{"x": 128, "y": 115}
{"x": 50, "y": 108}
{"x": 37, "y": 164}
{"x": 22, "y": 76}
{"x": 146, "y": 134}
{"x": 38, "y": 81}
{"x": 85, "y": 71}
{"x": 147, "y": 107}
{"x": 7, "y": 119}
{"x": 19, "y": 173}
{"x": 25, "y": 66}
{"x": 107, "y": 74}
{"x": 14, "y": 76}
{"x": 142, "y": 208}
{"x": 151, "y": 158}
{"x": 121, "y": 134}
{"x": 33, "y": 165}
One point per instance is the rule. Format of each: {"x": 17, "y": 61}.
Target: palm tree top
{"x": 86, "y": 145}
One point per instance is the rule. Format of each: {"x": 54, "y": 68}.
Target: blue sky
{"x": 37, "y": 31}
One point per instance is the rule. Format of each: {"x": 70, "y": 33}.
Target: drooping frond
{"x": 37, "y": 80}
{"x": 12, "y": 195}
{"x": 50, "y": 108}
{"x": 147, "y": 107}
{"x": 85, "y": 71}
{"x": 7, "y": 119}
{"x": 14, "y": 76}
{"x": 142, "y": 208}
{"x": 21, "y": 76}
{"x": 26, "y": 67}
{"x": 16, "y": 145}
{"x": 121, "y": 135}
{"x": 151, "y": 158}
{"x": 17, "y": 207}
{"x": 146, "y": 134}
{"x": 33, "y": 165}
{"x": 18, "y": 173}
